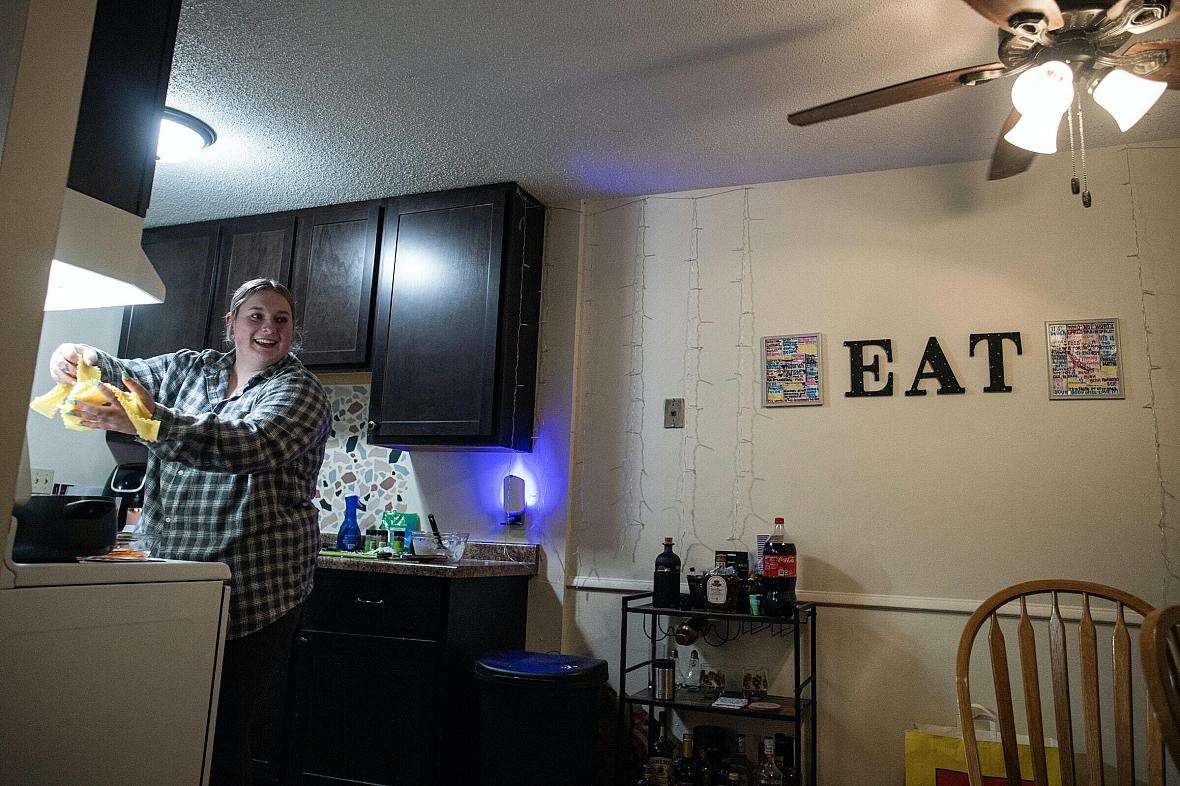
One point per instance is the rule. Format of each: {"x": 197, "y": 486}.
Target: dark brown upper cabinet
{"x": 114, "y": 158}
{"x": 325, "y": 255}
{"x": 185, "y": 258}
{"x": 455, "y": 337}
{"x": 332, "y": 281}
{"x": 255, "y": 247}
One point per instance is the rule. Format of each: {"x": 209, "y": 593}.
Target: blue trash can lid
{"x": 558, "y": 671}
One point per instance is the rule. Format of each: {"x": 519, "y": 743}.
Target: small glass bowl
{"x": 455, "y": 543}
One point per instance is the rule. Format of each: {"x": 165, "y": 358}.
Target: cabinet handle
{"x": 372, "y": 424}
{"x": 378, "y": 602}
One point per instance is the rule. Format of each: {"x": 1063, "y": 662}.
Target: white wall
{"x": 913, "y": 502}
{"x": 80, "y": 458}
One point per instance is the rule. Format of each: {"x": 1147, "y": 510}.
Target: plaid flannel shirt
{"x": 232, "y": 480}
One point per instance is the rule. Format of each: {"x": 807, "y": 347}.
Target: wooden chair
{"x": 1159, "y": 646}
{"x": 1088, "y": 660}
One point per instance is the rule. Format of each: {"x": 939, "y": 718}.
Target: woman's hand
{"x": 63, "y": 363}
{"x": 111, "y": 416}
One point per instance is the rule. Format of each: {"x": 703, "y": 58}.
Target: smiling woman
{"x": 230, "y": 478}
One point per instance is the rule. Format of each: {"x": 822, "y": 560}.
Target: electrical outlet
{"x": 673, "y": 413}
{"x": 42, "y": 480}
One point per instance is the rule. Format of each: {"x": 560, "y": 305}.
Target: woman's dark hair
{"x": 253, "y": 287}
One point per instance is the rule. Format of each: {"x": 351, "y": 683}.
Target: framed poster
{"x": 1084, "y": 361}
{"x": 791, "y": 368}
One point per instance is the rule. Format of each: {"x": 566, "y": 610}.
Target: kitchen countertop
{"x": 480, "y": 560}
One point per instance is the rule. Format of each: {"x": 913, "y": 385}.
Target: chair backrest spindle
{"x": 1088, "y": 650}
{"x": 1124, "y": 722}
{"x": 1032, "y": 696}
{"x": 1062, "y": 709}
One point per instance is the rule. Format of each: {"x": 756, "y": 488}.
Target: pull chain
{"x": 1073, "y": 160}
{"x": 1082, "y": 140}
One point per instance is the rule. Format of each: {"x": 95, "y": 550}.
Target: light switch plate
{"x": 673, "y": 413}
{"x": 42, "y": 480}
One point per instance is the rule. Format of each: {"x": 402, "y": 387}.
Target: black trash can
{"x": 538, "y": 718}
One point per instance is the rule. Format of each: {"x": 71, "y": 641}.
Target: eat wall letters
{"x": 935, "y": 358}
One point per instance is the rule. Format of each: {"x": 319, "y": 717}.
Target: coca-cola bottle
{"x": 666, "y": 579}
{"x": 779, "y": 572}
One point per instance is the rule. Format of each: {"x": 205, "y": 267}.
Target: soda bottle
{"x": 779, "y": 572}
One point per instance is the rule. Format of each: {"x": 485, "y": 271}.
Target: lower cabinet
{"x": 380, "y": 688}
{"x": 365, "y": 709}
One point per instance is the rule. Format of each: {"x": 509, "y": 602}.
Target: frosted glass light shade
{"x": 1127, "y": 97}
{"x": 1041, "y": 95}
{"x": 1037, "y": 133}
{"x": 182, "y": 136}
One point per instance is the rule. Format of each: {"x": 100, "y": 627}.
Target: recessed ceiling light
{"x": 182, "y": 136}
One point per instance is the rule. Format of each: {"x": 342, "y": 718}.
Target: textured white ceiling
{"x": 325, "y": 102}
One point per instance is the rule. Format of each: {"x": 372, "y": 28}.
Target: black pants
{"x": 247, "y": 668}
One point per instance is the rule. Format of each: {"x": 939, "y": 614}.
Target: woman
{"x": 230, "y": 479}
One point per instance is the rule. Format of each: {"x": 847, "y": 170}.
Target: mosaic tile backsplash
{"x": 381, "y": 477}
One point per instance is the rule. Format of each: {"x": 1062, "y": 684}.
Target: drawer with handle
{"x": 377, "y": 604}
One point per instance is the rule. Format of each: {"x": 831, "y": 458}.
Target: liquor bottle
{"x": 721, "y": 588}
{"x": 692, "y": 677}
{"x": 349, "y": 536}
{"x": 779, "y": 573}
{"x": 739, "y": 764}
{"x": 768, "y": 774}
{"x": 677, "y": 671}
{"x": 646, "y": 780}
{"x": 784, "y": 758}
{"x": 704, "y": 769}
{"x": 752, "y": 586}
{"x": 684, "y": 769}
{"x": 660, "y": 756}
{"x": 666, "y": 580}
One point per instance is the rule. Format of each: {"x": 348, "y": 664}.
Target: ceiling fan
{"x": 1057, "y": 51}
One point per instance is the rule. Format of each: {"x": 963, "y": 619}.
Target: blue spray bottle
{"x": 349, "y": 536}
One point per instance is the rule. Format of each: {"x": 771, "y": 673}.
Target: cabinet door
{"x": 130, "y": 59}
{"x": 184, "y": 257}
{"x": 438, "y": 301}
{"x": 255, "y": 247}
{"x": 332, "y": 281}
{"x": 365, "y": 710}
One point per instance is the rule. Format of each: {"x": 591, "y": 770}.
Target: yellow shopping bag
{"x": 934, "y": 756}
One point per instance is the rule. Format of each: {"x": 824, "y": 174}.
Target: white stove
{"x": 109, "y": 671}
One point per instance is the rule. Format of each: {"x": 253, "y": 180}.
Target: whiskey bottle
{"x": 659, "y": 757}
{"x": 768, "y": 774}
{"x": 722, "y": 587}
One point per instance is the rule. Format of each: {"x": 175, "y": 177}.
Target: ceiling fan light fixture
{"x": 1127, "y": 97}
{"x": 182, "y": 136}
{"x": 1041, "y": 95}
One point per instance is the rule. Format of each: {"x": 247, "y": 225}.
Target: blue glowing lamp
{"x": 514, "y": 499}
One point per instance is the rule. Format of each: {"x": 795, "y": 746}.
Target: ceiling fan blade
{"x": 1007, "y": 158}
{"x": 1116, "y": 10}
{"x": 888, "y": 96}
{"x": 998, "y": 12}
{"x": 1170, "y": 71}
